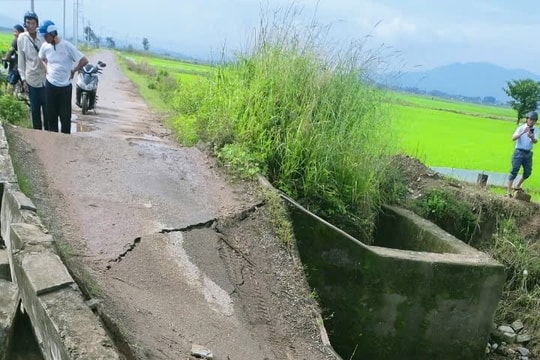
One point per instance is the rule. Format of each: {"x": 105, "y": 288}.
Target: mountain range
{"x": 474, "y": 79}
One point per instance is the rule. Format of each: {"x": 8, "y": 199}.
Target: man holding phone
{"x": 525, "y": 137}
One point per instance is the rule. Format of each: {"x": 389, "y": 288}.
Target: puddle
{"x": 79, "y": 124}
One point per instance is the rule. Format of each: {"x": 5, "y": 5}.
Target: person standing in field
{"x": 11, "y": 57}
{"x": 62, "y": 60}
{"x": 32, "y": 70}
{"x": 525, "y": 137}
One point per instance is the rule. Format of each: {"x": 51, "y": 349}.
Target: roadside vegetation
{"x": 12, "y": 110}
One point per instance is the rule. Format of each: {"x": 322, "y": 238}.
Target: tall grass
{"x": 307, "y": 118}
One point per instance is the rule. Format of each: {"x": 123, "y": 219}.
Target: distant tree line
{"x": 91, "y": 38}
{"x": 487, "y": 100}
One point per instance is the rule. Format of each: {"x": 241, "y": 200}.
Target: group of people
{"x": 45, "y": 64}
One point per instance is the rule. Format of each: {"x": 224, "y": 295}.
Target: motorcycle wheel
{"x": 84, "y": 103}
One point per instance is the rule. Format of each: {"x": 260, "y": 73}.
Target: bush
{"x": 14, "y": 111}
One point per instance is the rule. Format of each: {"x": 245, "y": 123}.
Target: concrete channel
{"x": 416, "y": 293}
{"x": 33, "y": 279}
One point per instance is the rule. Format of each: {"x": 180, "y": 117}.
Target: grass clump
{"x": 13, "y": 111}
{"x": 445, "y": 209}
{"x": 311, "y": 122}
{"x": 521, "y": 294}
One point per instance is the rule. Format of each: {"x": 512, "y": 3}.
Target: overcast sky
{"x": 425, "y": 33}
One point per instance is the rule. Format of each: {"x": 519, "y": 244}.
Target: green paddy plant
{"x": 307, "y": 115}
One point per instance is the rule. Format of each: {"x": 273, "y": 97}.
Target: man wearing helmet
{"x": 32, "y": 70}
{"x": 525, "y": 137}
{"x": 59, "y": 56}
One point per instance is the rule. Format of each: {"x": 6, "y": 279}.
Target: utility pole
{"x": 64, "y": 22}
{"x": 32, "y": 5}
{"x": 75, "y": 22}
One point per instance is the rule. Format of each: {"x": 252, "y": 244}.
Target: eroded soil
{"x": 177, "y": 253}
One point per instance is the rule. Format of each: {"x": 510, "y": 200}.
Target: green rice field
{"x": 5, "y": 41}
{"x": 173, "y": 66}
{"x": 457, "y": 135}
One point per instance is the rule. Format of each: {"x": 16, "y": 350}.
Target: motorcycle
{"x": 86, "y": 86}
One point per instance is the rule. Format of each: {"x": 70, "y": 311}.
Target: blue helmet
{"x": 30, "y": 15}
{"x": 48, "y": 27}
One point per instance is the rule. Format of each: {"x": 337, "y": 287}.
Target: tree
{"x": 110, "y": 42}
{"x": 525, "y": 94}
{"x": 145, "y": 44}
{"x": 90, "y": 36}
{"x": 490, "y": 100}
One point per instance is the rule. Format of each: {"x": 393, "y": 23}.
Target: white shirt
{"x": 60, "y": 59}
{"x": 523, "y": 142}
{"x": 30, "y": 66}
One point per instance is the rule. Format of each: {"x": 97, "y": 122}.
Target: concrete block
{"x": 7, "y": 174}
{"x": 5, "y": 273}
{"x": 29, "y": 237}
{"x": 8, "y": 309}
{"x": 81, "y": 333}
{"x": 3, "y": 140}
{"x": 66, "y": 328}
{"x": 44, "y": 272}
{"x": 13, "y": 203}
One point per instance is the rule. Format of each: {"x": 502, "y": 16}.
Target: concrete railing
{"x": 64, "y": 326}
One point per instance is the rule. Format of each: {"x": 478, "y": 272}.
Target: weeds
{"x": 279, "y": 218}
{"x": 13, "y": 111}
{"x": 312, "y": 123}
{"x": 443, "y": 207}
{"x": 521, "y": 295}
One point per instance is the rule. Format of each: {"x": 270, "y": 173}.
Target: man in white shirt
{"x": 32, "y": 70}
{"x": 63, "y": 60}
{"x": 525, "y": 137}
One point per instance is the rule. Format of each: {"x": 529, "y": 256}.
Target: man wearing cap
{"x": 525, "y": 137}
{"x": 60, "y": 56}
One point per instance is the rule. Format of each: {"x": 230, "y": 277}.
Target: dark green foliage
{"x": 13, "y": 111}
{"x": 525, "y": 94}
{"x": 445, "y": 209}
{"x": 164, "y": 83}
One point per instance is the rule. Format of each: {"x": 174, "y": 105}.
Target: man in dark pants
{"x": 59, "y": 55}
{"x": 32, "y": 70}
{"x": 12, "y": 57}
{"x": 525, "y": 137}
